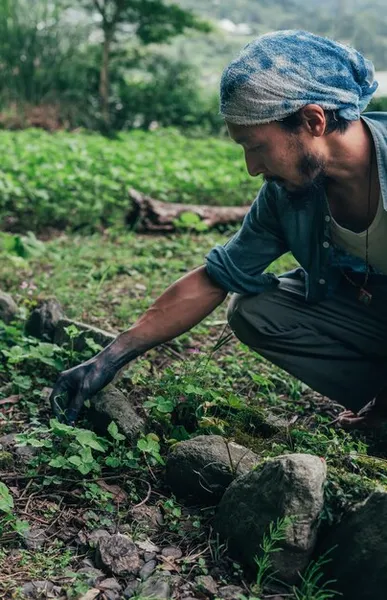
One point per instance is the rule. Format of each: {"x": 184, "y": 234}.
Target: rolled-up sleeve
{"x": 238, "y": 265}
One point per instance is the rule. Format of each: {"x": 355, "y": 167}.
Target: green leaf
{"x": 116, "y": 435}
{"x": 88, "y": 439}
{"x": 59, "y": 462}
{"x": 6, "y": 500}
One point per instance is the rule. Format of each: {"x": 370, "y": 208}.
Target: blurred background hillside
{"x": 66, "y": 64}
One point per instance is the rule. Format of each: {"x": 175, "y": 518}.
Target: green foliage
{"x": 81, "y": 181}
{"x": 313, "y": 586}
{"x": 271, "y": 544}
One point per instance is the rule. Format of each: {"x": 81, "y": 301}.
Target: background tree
{"x": 152, "y": 21}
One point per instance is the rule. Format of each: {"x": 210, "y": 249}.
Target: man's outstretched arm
{"x": 184, "y": 304}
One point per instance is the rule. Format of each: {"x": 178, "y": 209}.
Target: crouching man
{"x": 293, "y": 101}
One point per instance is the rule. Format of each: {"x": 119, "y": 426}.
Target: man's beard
{"x": 312, "y": 168}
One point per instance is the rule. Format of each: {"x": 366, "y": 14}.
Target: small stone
{"x": 42, "y": 321}
{"x": 118, "y": 554}
{"x": 172, "y": 552}
{"x": 230, "y": 592}
{"x": 110, "y": 404}
{"x": 34, "y": 538}
{"x": 147, "y": 569}
{"x": 38, "y": 589}
{"x": 91, "y": 575}
{"x": 149, "y": 556}
{"x": 206, "y": 584}
{"x": 8, "y": 308}
{"x": 130, "y": 589}
{"x": 110, "y": 584}
{"x": 148, "y": 518}
{"x": 147, "y": 546}
{"x": 96, "y": 535}
{"x": 157, "y": 587}
{"x": 26, "y": 453}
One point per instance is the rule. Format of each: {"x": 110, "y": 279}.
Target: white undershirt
{"x": 355, "y": 243}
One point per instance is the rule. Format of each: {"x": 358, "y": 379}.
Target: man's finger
{"x": 74, "y": 409}
{"x": 59, "y": 400}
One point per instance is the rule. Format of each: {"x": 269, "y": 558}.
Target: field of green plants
{"x": 80, "y": 181}
{"x": 108, "y": 278}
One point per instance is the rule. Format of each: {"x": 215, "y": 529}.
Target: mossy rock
{"x": 6, "y": 459}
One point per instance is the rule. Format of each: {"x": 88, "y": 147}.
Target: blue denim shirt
{"x": 273, "y": 226}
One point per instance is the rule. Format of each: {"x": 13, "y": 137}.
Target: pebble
{"x": 172, "y": 552}
{"x": 34, "y": 538}
{"x": 37, "y": 588}
{"x": 149, "y": 556}
{"x": 230, "y": 592}
{"x": 207, "y": 584}
{"x": 130, "y": 589}
{"x": 110, "y": 584}
{"x": 96, "y": 535}
{"x": 156, "y": 587}
{"x": 147, "y": 569}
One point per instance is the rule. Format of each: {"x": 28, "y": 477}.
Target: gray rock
{"x": 43, "y": 320}
{"x": 7, "y": 441}
{"x": 286, "y": 486}
{"x": 99, "y": 336}
{"x": 147, "y": 570}
{"x": 149, "y": 556}
{"x": 206, "y": 584}
{"x": 37, "y": 589}
{"x": 157, "y": 587}
{"x": 230, "y": 592}
{"x": 171, "y": 552}
{"x": 118, "y": 554}
{"x": 26, "y": 453}
{"x": 96, "y": 535}
{"x": 111, "y": 405}
{"x": 8, "y": 308}
{"x": 34, "y": 538}
{"x": 200, "y": 469}
{"x": 110, "y": 584}
{"x": 358, "y": 551}
{"x": 130, "y": 589}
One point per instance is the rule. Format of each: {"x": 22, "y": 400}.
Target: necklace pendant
{"x": 364, "y": 297}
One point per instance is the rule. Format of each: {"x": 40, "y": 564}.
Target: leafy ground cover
{"x": 81, "y": 181}
{"x": 78, "y": 481}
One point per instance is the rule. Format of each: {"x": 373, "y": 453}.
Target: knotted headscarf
{"x": 279, "y": 73}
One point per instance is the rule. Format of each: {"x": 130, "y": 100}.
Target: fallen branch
{"x": 149, "y": 215}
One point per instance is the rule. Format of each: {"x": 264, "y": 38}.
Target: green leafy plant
{"x": 313, "y": 586}
{"x": 271, "y": 544}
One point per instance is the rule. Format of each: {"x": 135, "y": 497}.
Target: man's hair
{"x": 334, "y": 122}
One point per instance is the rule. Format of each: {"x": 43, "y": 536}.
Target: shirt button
{"x": 327, "y": 218}
{"x": 321, "y": 281}
{"x": 326, "y": 244}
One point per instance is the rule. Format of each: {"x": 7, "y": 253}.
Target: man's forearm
{"x": 184, "y": 304}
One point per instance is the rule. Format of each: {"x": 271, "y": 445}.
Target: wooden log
{"x": 150, "y": 215}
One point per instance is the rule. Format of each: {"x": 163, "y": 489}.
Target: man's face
{"x": 291, "y": 160}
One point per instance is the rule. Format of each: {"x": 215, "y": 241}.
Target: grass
{"x": 81, "y": 181}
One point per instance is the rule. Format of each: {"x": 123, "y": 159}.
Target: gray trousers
{"x": 337, "y": 347}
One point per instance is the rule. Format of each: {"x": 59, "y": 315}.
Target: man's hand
{"x": 76, "y": 385}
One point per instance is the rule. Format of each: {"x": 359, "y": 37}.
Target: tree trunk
{"x": 149, "y": 215}
{"x": 104, "y": 77}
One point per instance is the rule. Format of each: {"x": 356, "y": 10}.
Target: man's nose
{"x": 253, "y": 164}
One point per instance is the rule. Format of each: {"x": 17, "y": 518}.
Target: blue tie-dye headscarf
{"x": 279, "y": 73}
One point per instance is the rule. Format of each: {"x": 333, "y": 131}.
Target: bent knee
{"x": 237, "y": 317}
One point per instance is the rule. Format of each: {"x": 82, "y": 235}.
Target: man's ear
{"x": 313, "y": 119}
